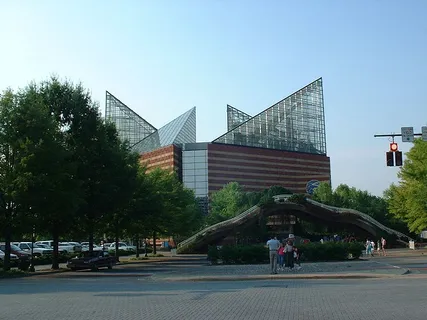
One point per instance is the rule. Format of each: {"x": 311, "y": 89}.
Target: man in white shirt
{"x": 273, "y": 245}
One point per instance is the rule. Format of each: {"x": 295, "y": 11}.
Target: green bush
{"x": 238, "y": 254}
{"x": 330, "y": 251}
{"x": 11, "y": 273}
{"x": 47, "y": 259}
{"x": 356, "y": 249}
{"x": 122, "y": 253}
{"x": 213, "y": 254}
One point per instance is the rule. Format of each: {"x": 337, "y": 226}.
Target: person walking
{"x": 383, "y": 244}
{"x": 281, "y": 256}
{"x": 289, "y": 254}
{"x": 273, "y": 246}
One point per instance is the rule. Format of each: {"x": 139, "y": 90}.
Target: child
{"x": 297, "y": 257}
{"x": 281, "y": 256}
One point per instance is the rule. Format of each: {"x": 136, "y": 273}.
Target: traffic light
{"x": 390, "y": 159}
{"x": 398, "y": 158}
{"x": 394, "y": 147}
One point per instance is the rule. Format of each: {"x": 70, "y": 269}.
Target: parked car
{"x": 122, "y": 246}
{"x": 92, "y": 260}
{"x": 21, "y": 254}
{"x": 63, "y": 247}
{"x": 37, "y": 250}
{"x": 77, "y": 246}
{"x": 95, "y": 248}
{"x": 13, "y": 257}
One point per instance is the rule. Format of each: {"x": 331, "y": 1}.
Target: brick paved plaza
{"x": 128, "y": 298}
{"x": 161, "y": 290}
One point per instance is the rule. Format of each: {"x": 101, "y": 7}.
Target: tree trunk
{"x": 116, "y": 239}
{"x": 90, "y": 231}
{"x": 55, "y": 257}
{"x": 137, "y": 246}
{"x": 154, "y": 243}
{"x": 8, "y": 240}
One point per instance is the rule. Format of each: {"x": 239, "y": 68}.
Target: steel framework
{"x": 296, "y": 123}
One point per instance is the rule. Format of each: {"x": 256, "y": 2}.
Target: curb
{"x": 105, "y": 275}
{"x": 283, "y": 277}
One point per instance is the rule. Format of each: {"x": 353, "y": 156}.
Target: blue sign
{"x": 311, "y": 186}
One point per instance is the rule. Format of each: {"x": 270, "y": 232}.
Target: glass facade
{"x": 130, "y": 125}
{"x": 142, "y": 136}
{"x": 195, "y": 171}
{"x": 297, "y": 123}
{"x": 235, "y": 117}
{"x": 178, "y": 131}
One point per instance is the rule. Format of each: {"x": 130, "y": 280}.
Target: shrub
{"x": 238, "y": 254}
{"x": 213, "y": 254}
{"x": 356, "y": 249}
{"x": 122, "y": 253}
{"x": 330, "y": 251}
{"x": 11, "y": 273}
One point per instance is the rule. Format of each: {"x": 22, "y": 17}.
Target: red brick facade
{"x": 254, "y": 168}
{"x": 168, "y": 158}
{"x": 257, "y": 169}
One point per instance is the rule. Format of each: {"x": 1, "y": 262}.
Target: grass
{"x": 138, "y": 259}
{"x": 13, "y": 273}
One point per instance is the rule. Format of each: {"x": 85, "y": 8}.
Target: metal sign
{"x": 311, "y": 186}
{"x": 407, "y": 134}
{"x": 424, "y": 133}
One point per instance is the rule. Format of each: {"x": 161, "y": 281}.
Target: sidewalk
{"x": 197, "y": 268}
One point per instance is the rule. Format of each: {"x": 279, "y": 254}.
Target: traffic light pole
{"x": 392, "y": 135}
{"x": 394, "y": 156}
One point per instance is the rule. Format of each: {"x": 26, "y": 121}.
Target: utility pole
{"x": 394, "y": 156}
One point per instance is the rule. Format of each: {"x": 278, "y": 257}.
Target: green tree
{"x": 12, "y": 173}
{"x": 52, "y": 191}
{"x": 103, "y": 164}
{"x": 349, "y": 197}
{"x": 226, "y": 203}
{"x": 35, "y": 167}
{"x": 122, "y": 184}
{"x": 138, "y": 211}
{"x": 266, "y": 196}
{"x": 164, "y": 206}
{"x": 324, "y": 194}
{"x": 407, "y": 200}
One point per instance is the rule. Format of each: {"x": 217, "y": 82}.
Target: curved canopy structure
{"x": 283, "y": 204}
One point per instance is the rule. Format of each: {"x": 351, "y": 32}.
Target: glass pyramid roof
{"x": 235, "y": 117}
{"x": 178, "y": 131}
{"x": 296, "y": 123}
{"x": 129, "y": 124}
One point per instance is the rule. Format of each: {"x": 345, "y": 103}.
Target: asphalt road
{"x": 40, "y": 298}
{"x": 415, "y": 261}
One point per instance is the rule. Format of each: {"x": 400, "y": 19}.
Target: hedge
{"x": 253, "y": 254}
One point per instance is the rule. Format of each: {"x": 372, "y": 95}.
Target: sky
{"x": 162, "y": 57}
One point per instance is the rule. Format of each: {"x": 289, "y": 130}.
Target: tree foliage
{"x": 349, "y": 197}
{"x": 408, "y": 199}
{"x": 66, "y": 172}
{"x": 232, "y": 200}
